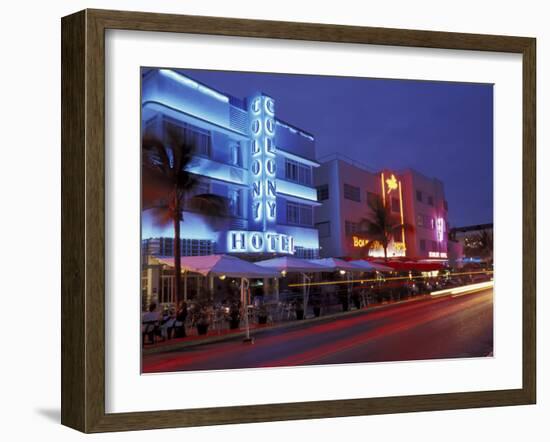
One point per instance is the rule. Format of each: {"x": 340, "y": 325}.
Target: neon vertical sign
{"x": 263, "y": 163}
{"x": 440, "y": 228}
{"x": 388, "y": 185}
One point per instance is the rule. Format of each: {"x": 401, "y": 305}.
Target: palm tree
{"x": 382, "y": 226}
{"x": 167, "y": 186}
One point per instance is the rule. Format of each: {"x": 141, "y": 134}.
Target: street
{"x": 453, "y": 326}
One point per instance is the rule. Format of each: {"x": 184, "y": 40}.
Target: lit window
{"x": 299, "y": 214}
{"x": 297, "y": 172}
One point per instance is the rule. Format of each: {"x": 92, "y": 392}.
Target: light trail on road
{"x": 434, "y": 328}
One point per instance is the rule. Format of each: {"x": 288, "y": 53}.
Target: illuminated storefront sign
{"x": 376, "y": 250}
{"x": 360, "y": 242}
{"x": 242, "y": 241}
{"x": 437, "y": 254}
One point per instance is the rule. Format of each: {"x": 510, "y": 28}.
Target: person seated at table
{"x": 149, "y": 322}
{"x": 181, "y": 317}
{"x": 167, "y": 324}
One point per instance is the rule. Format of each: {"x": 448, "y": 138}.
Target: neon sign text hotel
{"x": 240, "y": 241}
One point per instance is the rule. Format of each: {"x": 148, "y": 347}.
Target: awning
{"x": 218, "y": 265}
{"x": 291, "y": 264}
{"x": 412, "y": 266}
{"x": 332, "y": 264}
{"x": 369, "y": 266}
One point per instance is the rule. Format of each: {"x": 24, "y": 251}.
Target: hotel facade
{"x": 262, "y": 165}
{"x": 281, "y": 199}
{"x": 347, "y": 190}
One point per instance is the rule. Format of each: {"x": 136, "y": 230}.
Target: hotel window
{"x": 373, "y": 199}
{"x": 302, "y": 252}
{"x": 297, "y": 172}
{"x": 352, "y": 193}
{"x": 419, "y": 195}
{"x": 201, "y": 188}
{"x": 235, "y": 204}
{"x": 425, "y": 221}
{"x": 434, "y": 246}
{"x": 199, "y": 139}
{"x": 306, "y": 215}
{"x": 395, "y": 204}
{"x": 299, "y": 214}
{"x": 324, "y": 229}
{"x": 430, "y": 200}
{"x": 423, "y": 244}
{"x": 292, "y": 213}
{"x": 322, "y": 192}
{"x": 196, "y": 247}
{"x": 351, "y": 227}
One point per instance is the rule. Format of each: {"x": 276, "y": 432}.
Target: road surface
{"x": 443, "y": 327}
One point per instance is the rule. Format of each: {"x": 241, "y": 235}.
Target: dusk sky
{"x": 441, "y": 129}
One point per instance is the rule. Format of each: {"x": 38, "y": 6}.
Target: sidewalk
{"x": 223, "y": 335}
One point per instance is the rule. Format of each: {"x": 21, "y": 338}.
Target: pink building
{"x": 345, "y": 187}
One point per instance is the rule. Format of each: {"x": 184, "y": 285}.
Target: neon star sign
{"x": 391, "y": 183}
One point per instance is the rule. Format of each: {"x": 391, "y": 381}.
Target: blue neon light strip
{"x": 294, "y": 130}
{"x": 186, "y": 81}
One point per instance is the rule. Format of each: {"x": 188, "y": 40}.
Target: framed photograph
{"x": 267, "y": 221}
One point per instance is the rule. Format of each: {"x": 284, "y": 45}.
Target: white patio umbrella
{"x": 224, "y": 265}
{"x": 337, "y": 264}
{"x": 219, "y": 265}
{"x": 371, "y": 266}
{"x": 290, "y": 264}
{"x": 341, "y": 265}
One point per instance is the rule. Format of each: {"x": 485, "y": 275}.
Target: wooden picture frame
{"x": 83, "y": 220}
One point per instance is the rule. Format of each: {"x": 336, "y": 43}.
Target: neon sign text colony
{"x": 262, "y": 163}
{"x": 263, "y": 187}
